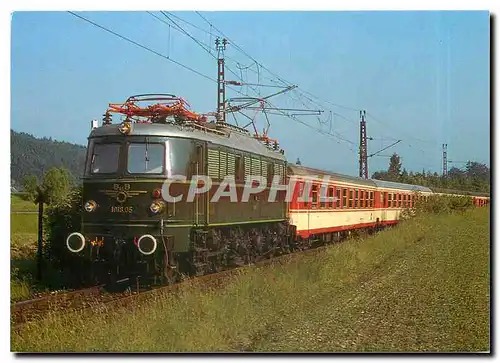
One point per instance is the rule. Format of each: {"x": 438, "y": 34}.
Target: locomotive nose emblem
{"x": 122, "y": 192}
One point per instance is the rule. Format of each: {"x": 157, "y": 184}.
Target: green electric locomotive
{"x": 141, "y": 216}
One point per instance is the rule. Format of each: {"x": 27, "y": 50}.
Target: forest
{"x": 31, "y": 156}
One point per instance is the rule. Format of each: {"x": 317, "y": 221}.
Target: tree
{"x": 380, "y": 175}
{"x": 56, "y": 185}
{"x": 394, "y": 170}
{"x": 30, "y": 185}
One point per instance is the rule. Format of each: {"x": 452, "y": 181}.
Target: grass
{"x": 18, "y": 203}
{"x": 23, "y": 229}
{"x": 23, "y": 223}
{"x": 422, "y": 286}
{"x": 23, "y": 267}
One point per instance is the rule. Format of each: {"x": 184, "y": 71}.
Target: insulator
{"x": 107, "y": 118}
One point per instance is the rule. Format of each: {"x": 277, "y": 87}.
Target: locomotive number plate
{"x": 120, "y": 209}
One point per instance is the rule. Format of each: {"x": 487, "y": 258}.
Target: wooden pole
{"x": 40, "y": 236}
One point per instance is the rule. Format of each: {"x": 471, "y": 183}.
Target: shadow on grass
{"x": 23, "y": 274}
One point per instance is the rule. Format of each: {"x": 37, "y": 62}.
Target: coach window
{"x": 300, "y": 192}
{"x": 314, "y": 196}
{"x": 366, "y": 199}
{"x": 361, "y": 199}
{"x": 389, "y": 200}
{"x": 344, "y": 198}
{"x": 371, "y": 199}
{"x": 400, "y": 200}
{"x": 338, "y": 198}
{"x": 323, "y": 197}
{"x": 351, "y": 198}
{"x": 356, "y": 198}
{"x": 331, "y": 192}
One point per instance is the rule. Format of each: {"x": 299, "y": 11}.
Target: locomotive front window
{"x": 145, "y": 158}
{"x": 105, "y": 158}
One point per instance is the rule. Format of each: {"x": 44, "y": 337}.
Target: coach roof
{"x": 305, "y": 171}
{"x": 402, "y": 186}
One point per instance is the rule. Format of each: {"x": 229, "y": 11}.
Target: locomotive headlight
{"x": 90, "y": 206}
{"x": 125, "y": 127}
{"x": 156, "y": 206}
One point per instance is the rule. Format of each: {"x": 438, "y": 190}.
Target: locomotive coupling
{"x": 75, "y": 242}
{"x": 147, "y": 244}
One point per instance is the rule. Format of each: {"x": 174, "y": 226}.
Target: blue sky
{"x": 422, "y": 77}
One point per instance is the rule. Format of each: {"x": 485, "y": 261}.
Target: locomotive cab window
{"x": 145, "y": 158}
{"x": 105, "y": 158}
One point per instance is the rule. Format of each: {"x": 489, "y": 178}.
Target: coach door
{"x": 383, "y": 205}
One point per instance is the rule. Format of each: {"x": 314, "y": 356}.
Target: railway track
{"x": 31, "y": 310}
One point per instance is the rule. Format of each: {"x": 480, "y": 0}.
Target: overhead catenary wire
{"x": 148, "y": 49}
{"x": 142, "y": 46}
{"x": 255, "y": 61}
{"x": 204, "y": 46}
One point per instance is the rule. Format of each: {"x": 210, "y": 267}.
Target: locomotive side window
{"x": 179, "y": 153}
{"x": 105, "y": 158}
{"x": 145, "y": 158}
